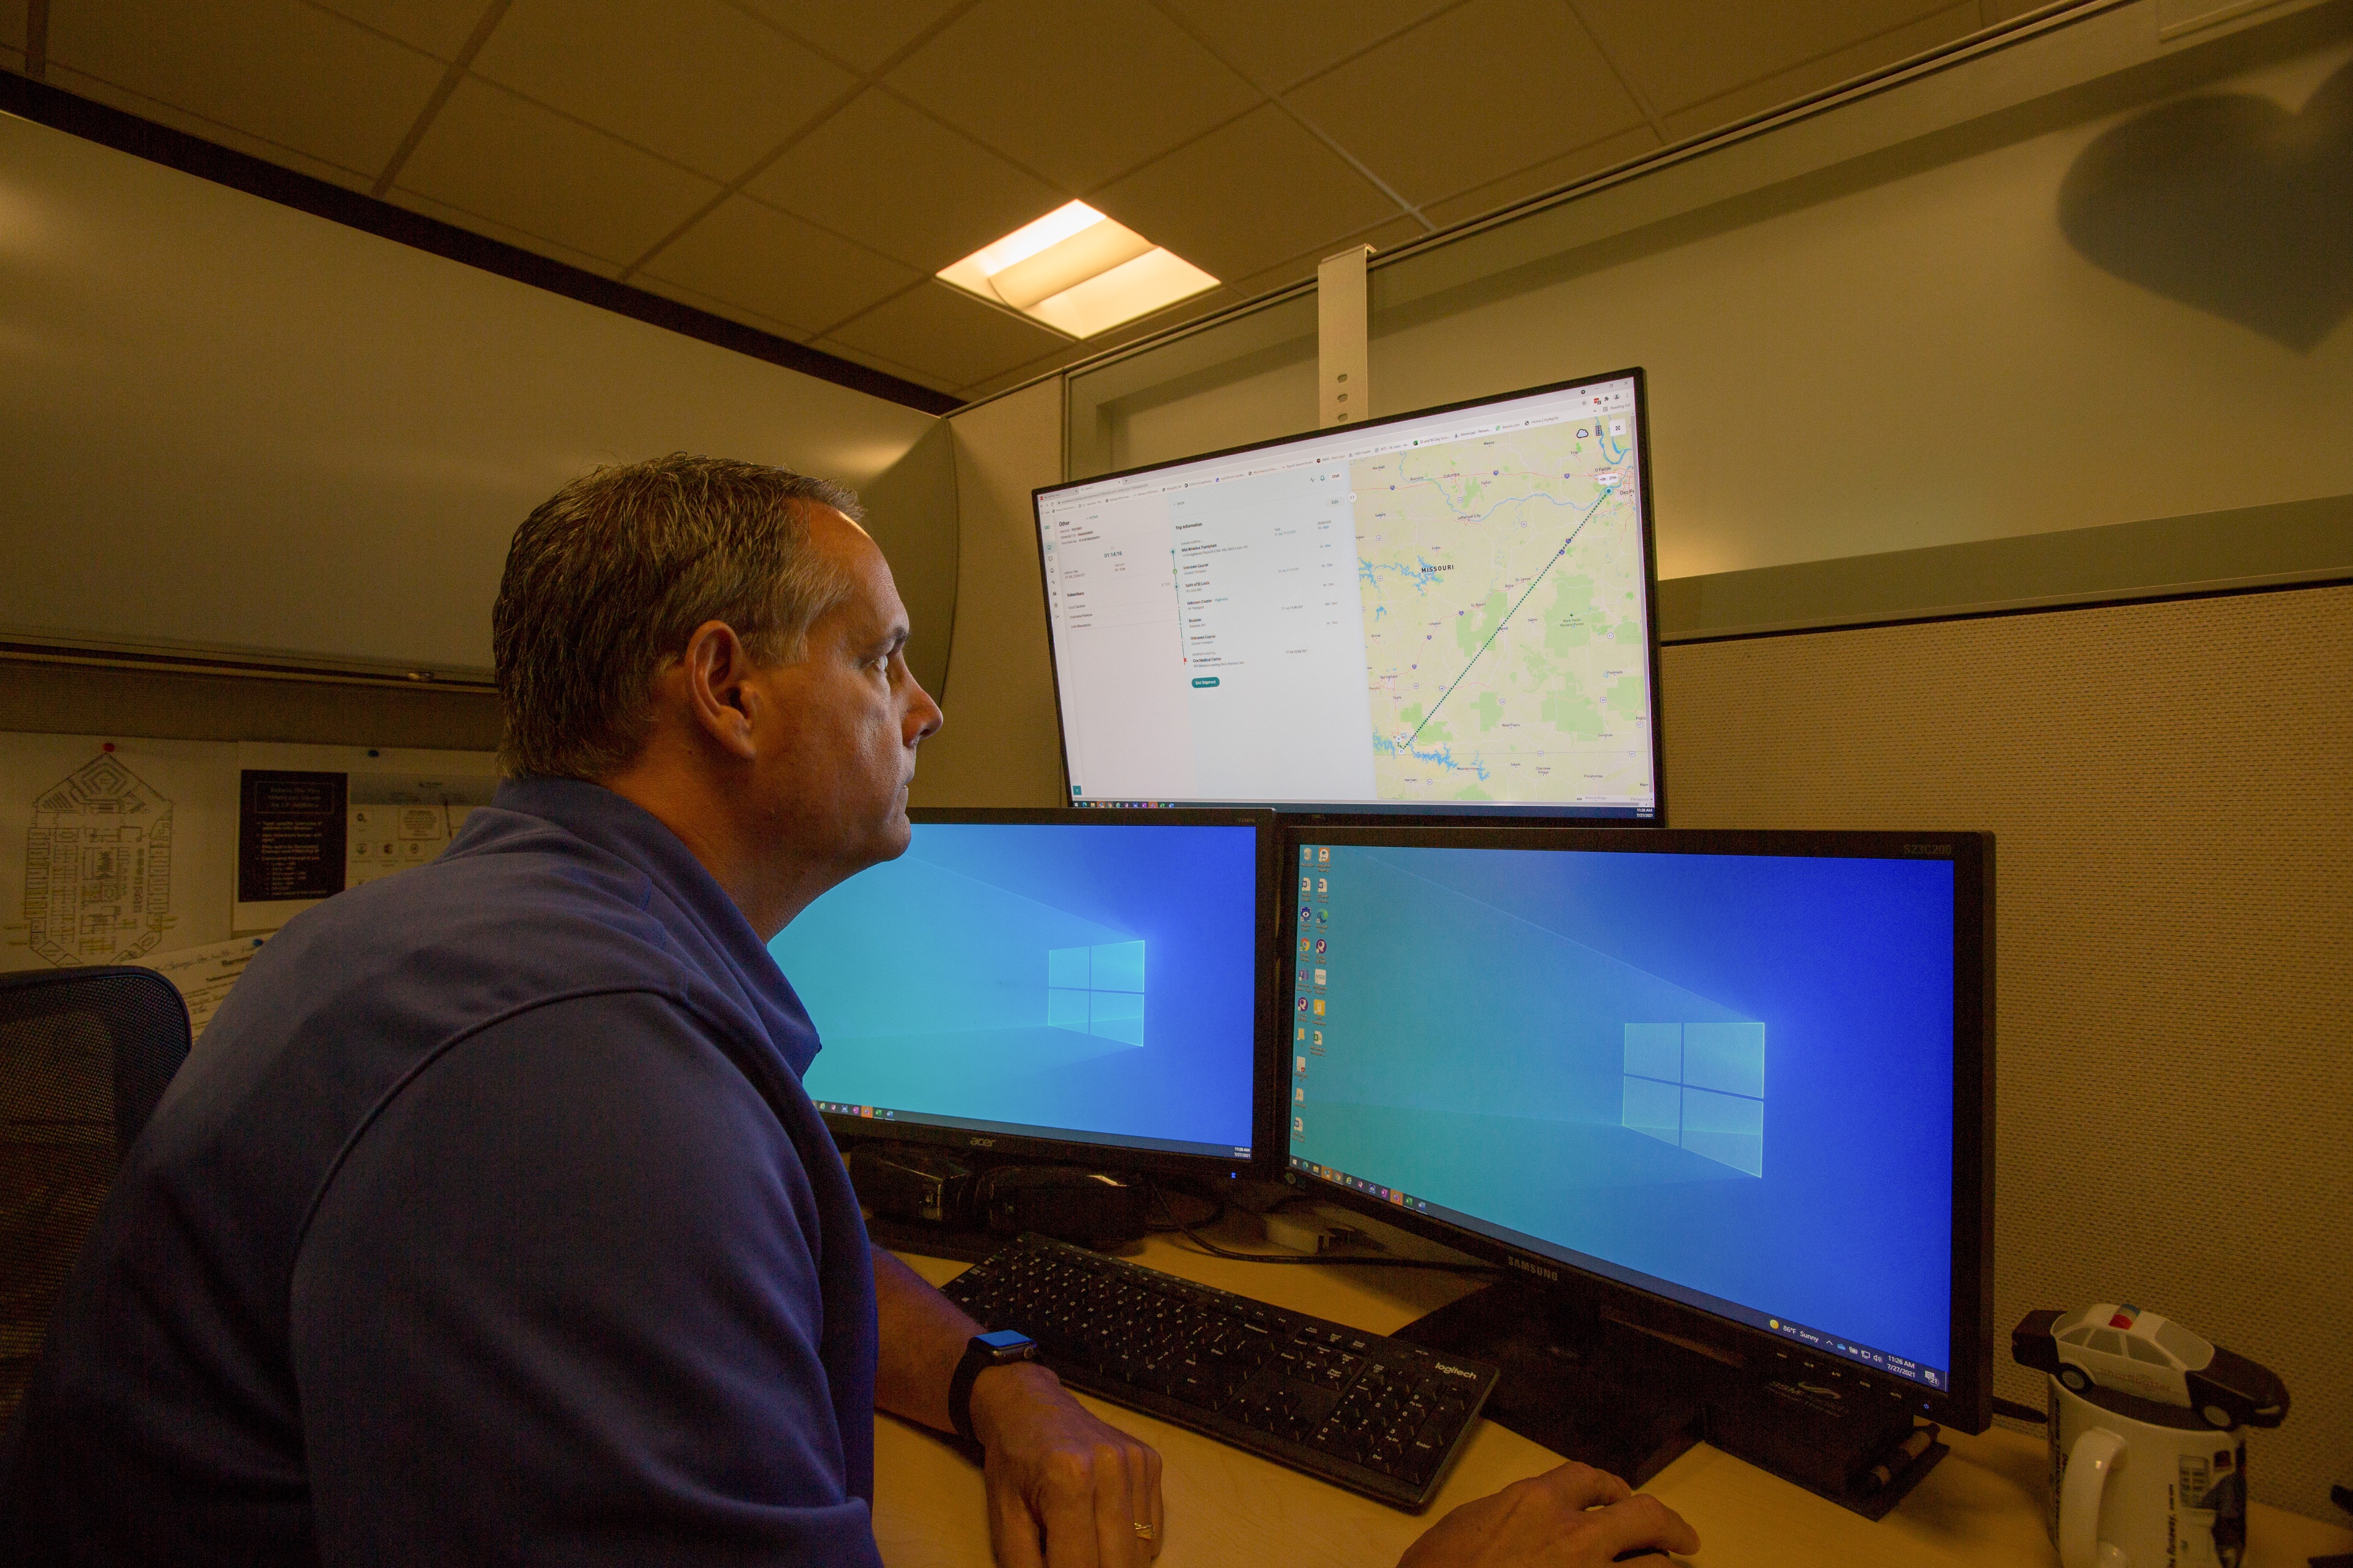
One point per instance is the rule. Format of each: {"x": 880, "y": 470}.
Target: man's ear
{"x": 718, "y": 699}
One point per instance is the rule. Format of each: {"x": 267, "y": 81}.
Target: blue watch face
{"x": 1005, "y": 1339}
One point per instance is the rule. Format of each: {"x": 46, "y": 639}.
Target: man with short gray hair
{"x": 491, "y": 1223}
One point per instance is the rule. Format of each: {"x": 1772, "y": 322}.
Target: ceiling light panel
{"x": 1078, "y": 272}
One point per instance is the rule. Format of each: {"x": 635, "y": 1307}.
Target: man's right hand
{"x": 1574, "y": 1517}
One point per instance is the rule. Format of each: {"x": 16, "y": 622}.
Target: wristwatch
{"x": 1004, "y": 1347}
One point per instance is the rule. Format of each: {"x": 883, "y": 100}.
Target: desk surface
{"x": 1981, "y": 1505}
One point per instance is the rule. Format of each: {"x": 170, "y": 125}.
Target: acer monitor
{"x": 1051, "y": 983}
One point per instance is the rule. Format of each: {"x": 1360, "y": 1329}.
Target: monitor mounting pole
{"x": 1341, "y": 358}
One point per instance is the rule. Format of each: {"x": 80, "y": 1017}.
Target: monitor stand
{"x": 1597, "y": 1388}
{"x": 1561, "y": 1388}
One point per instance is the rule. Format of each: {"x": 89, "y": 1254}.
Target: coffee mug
{"x": 2136, "y": 1484}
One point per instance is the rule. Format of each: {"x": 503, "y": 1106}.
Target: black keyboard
{"x": 1374, "y": 1415}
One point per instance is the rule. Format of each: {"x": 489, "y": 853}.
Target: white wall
{"x": 234, "y": 425}
{"x": 1865, "y": 330}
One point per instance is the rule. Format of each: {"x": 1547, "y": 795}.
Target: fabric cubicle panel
{"x": 2167, "y": 784}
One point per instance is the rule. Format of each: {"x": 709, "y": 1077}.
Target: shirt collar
{"x": 623, "y": 828}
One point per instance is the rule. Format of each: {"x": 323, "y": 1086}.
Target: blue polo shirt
{"x": 488, "y": 1222}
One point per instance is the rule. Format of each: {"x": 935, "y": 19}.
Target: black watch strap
{"x": 1001, "y": 1348}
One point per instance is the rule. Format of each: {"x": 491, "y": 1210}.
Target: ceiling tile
{"x": 272, "y": 69}
{"x": 439, "y": 27}
{"x": 894, "y": 178}
{"x": 1245, "y": 196}
{"x": 491, "y": 229}
{"x": 493, "y": 153}
{"x": 1681, "y": 52}
{"x": 1076, "y": 90}
{"x": 1547, "y": 176}
{"x": 692, "y": 81}
{"x": 1297, "y": 269}
{"x": 1280, "y": 46}
{"x": 1532, "y": 85}
{"x": 211, "y": 131}
{"x": 701, "y": 302}
{"x": 865, "y": 34}
{"x": 765, "y": 260}
{"x": 947, "y": 337}
{"x": 1828, "y": 70}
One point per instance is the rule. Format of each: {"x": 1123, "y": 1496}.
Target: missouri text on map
{"x": 1503, "y": 586}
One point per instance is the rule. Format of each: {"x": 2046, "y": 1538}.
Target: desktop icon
{"x": 1319, "y": 978}
{"x": 1302, "y": 1033}
{"x": 1306, "y": 884}
{"x": 1303, "y": 947}
{"x": 1299, "y": 1097}
{"x": 1323, "y": 917}
{"x": 1299, "y": 1064}
{"x": 1303, "y": 1004}
{"x": 1298, "y": 1124}
{"x": 1319, "y": 1039}
{"x": 1323, "y": 854}
{"x": 1322, "y": 886}
{"x": 1319, "y": 1006}
{"x": 1304, "y": 854}
{"x": 1306, "y": 913}
{"x": 1320, "y": 945}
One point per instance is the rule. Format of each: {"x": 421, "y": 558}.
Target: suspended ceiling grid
{"x": 804, "y": 168}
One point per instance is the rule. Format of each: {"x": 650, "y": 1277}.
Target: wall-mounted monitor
{"x": 1448, "y": 612}
{"x": 1083, "y": 985}
{"x": 1741, "y": 1080}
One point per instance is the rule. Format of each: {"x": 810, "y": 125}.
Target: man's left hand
{"x": 1065, "y": 1490}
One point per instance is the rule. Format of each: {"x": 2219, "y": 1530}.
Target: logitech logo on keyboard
{"x": 1456, "y": 1371}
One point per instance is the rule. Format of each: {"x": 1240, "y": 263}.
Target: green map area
{"x": 1503, "y": 586}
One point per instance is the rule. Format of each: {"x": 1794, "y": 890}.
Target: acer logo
{"x": 982, "y": 1142}
{"x": 1527, "y": 1268}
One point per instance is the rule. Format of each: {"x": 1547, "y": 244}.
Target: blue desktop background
{"x": 927, "y": 978}
{"x": 1475, "y": 1056}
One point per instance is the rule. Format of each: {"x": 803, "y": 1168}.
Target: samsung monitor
{"x": 1446, "y": 613}
{"x": 1052, "y": 983}
{"x": 1737, "y": 1084}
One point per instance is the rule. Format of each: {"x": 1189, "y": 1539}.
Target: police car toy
{"x": 2117, "y": 1346}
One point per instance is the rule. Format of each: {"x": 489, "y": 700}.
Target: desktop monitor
{"x": 1081, "y": 986}
{"x": 1444, "y": 613}
{"x": 1738, "y": 1086}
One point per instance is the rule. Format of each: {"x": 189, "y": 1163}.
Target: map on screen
{"x": 1444, "y": 612}
{"x": 1501, "y": 583}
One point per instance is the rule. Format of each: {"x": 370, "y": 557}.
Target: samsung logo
{"x": 1527, "y": 1268}
{"x": 1927, "y": 849}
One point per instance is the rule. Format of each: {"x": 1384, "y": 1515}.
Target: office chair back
{"x": 84, "y": 1056}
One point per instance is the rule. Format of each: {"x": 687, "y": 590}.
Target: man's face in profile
{"x": 853, "y": 715}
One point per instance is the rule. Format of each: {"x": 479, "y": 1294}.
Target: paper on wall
{"x": 204, "y": 975}
{"x": 314, "y": 820}
{"x": 112, "y": 848}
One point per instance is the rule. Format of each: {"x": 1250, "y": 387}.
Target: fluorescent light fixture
{"x": 1078, "y": 272}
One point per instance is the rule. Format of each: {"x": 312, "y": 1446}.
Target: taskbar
{"x": 1593, "y": 810}
{"x": 1820, "y": 1340}
{"x": 887, "y": 1116}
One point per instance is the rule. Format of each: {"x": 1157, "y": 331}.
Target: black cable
{"x": 2017, "y": 1412}
{"x": 1481, "y": 1270}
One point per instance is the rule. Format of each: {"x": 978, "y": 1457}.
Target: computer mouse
{"x": 1639, "y": 1552}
